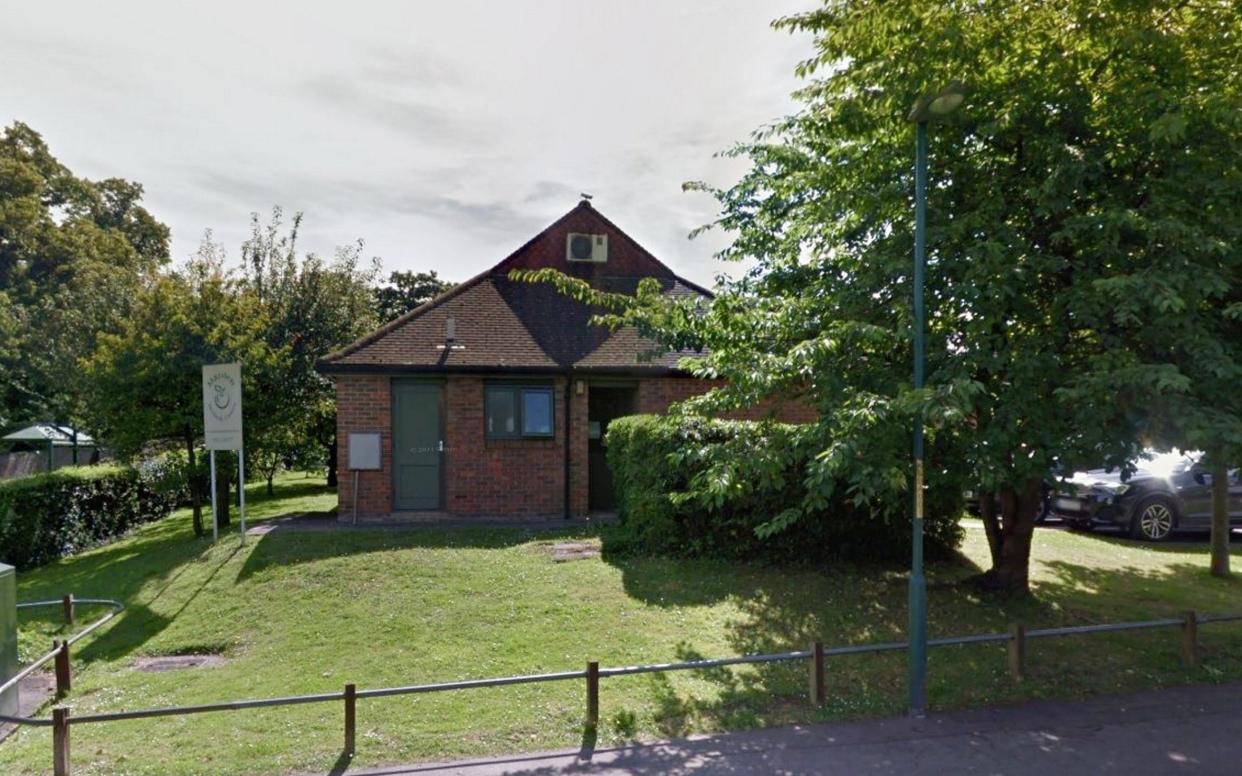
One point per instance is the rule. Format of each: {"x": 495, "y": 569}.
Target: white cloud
{"x": 444, "y": 134}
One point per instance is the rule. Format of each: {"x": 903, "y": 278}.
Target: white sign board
{"x": 222, "y": 406}
{"x": 364, "y": 452}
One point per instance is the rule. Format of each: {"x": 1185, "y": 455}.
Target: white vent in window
{"x": 586, "y": 247}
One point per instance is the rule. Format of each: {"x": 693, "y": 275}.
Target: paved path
{"x": 1182, "y": 730}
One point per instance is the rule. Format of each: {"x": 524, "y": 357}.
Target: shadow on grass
{"x": 1138, "y": 593}
{"x": 1178, "y": 543}
{"x": 150, "y": 560}
{"x": 161, "y": 552}
{"x": 292, "y": 546}
{"x": 778, "y": 608}
{"x": 785, "y": 609}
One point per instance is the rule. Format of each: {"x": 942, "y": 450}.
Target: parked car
{"x": 1169, "y": 492}
{"x": 1045, "y": 504}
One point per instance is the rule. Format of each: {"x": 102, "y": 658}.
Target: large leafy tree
{"x": 147, "y": 378}
{"x": 73, "y": 253}
{"x": 312, "y": 306}
{"x": 406, "y": 290}
{"x": 1083, "y": 247}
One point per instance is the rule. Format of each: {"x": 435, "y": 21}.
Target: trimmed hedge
{"x": 50, "y": 515}
{"x": 655, "y": 461}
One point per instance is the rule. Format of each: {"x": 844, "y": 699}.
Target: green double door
{"x": 417, "y": 444}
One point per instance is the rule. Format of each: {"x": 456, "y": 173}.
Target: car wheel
{"x": 1045, "y": 507}
{"x": 1154, "y": 519}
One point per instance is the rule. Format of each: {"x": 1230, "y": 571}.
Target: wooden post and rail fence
{"x": 1015, "y": 639}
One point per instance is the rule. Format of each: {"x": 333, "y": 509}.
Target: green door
{"x": 418, "y": 445}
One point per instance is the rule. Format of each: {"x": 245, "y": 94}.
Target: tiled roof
{"x": 500, "y": 323}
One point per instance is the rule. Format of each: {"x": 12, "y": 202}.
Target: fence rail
{"x": 1016, "y": 638}
{"x": 60, "y": 649}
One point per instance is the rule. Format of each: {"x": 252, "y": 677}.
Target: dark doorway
{"x": 604, "y": 403}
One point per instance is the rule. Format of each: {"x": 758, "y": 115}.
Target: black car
{"x": 1045, "y": 504}
{"x": 1169, "y": 492}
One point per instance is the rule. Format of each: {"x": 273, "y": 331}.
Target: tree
{"x": 407, "y": 290}
{"x": 312, "y": 306}
{"x": 1082, "y": 213}
{"x": 73, "y": 253}
{"x": 146, "y": 378}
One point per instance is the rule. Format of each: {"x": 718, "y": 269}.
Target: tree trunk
{"x": 332, "y": 462}
{"x": 222, "y": 491}
{"x": 1011, "y": 562}
{"x": 991, "y": 525}
{"x": 196, "y": 501}
{"x": 1220, "y": 521}
{"x": 270, "y": 490}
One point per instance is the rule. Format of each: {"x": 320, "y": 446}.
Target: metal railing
{"x": 1016, "y": 638}
{"x": 60, "y": 648}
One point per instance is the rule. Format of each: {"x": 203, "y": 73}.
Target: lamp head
{"x": 933, "y": 106}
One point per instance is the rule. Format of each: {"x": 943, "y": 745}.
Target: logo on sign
{"x": 223, "y": 388}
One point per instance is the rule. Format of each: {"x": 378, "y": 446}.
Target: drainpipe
{"x": 569, "y": 394}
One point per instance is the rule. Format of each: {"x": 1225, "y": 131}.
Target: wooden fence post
{"x": 818, "y": 692}
{"x": 67, "y": 603}
{"x": 1190, "y": 638}
{"x": 350, "y": 717}
{"x": 60, "y": 741}
{"x": 64, "y": 675}
{"x": 592, "y": 688}
{"x": 1017, "y": 651}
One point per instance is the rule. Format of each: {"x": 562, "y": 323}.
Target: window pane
{"x": 501, "y": 413}
{"x": 537, "y": 412}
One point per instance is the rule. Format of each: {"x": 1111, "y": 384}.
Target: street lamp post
{"x": 925, "y": 110}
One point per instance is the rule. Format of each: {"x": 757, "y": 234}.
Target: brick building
{"x": 492, "y": 399}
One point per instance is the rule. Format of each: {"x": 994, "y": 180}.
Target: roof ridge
{"x": 498, "y": 270}
{"x": 584, "y": 205}
{"x": 405, "y": 317}
{"x": 695, "y": 286}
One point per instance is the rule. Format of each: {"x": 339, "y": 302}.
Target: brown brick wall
{"x": 579, "y": 440}
{"x": 364, "y": 403}
{"x": 656, "y": 394}
{"x": 500, "y": 477}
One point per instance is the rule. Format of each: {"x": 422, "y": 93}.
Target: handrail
{"x": 116, "y": 606}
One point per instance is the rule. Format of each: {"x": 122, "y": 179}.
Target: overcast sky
{"x": 444, "y": 134}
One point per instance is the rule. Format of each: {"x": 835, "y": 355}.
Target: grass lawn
{"x": 307, "y": 612}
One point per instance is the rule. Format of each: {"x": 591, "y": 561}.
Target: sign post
{"x": 215, "y": 519}
{"x": 222, "y": 429}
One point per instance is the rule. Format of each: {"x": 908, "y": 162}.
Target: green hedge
{"x": 48, "y": 516}
{"x": 659, "y": 467}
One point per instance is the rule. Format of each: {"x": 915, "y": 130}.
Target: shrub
{"x": 48, "y": 516}
{"x": 168, "y": 474}
{"x": 704, "y": 487}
